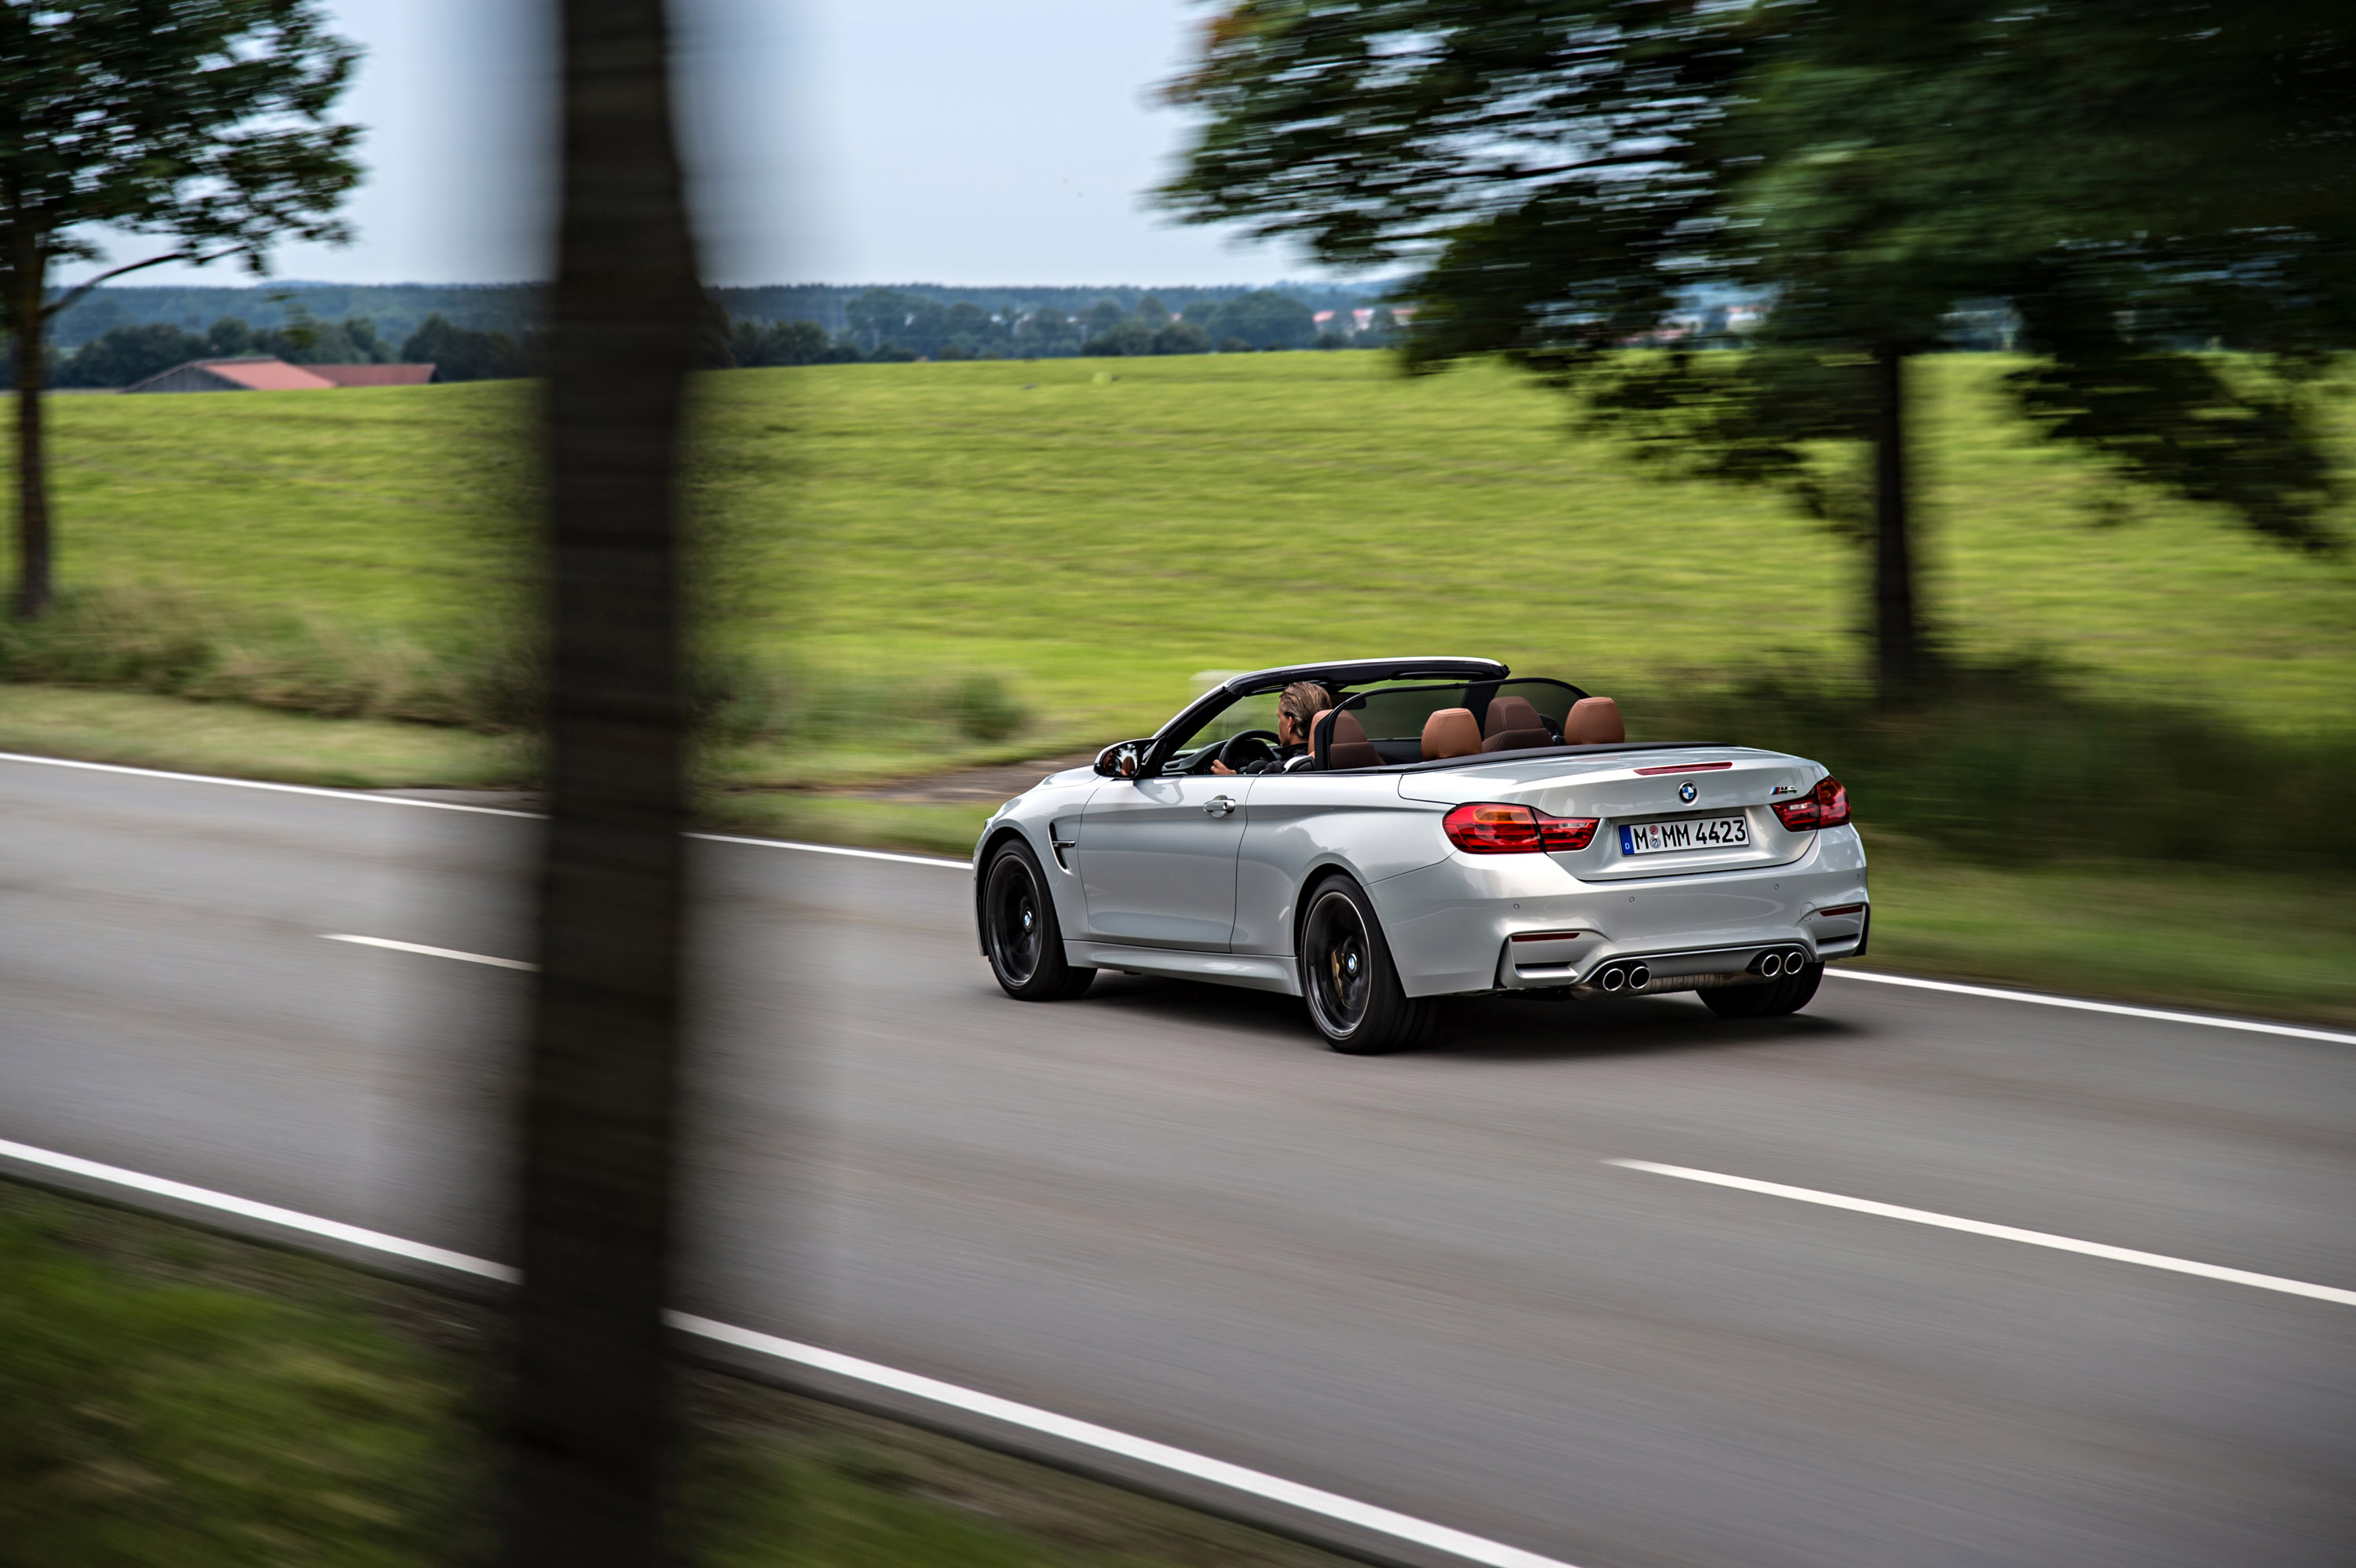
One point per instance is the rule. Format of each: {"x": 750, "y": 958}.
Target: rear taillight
{"x": 1485, "y": 827}
{"x": 1827, "y": 805}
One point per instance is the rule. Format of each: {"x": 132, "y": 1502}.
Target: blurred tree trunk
{"x": 590, "y": 1408}
{"x": 1896, "y": 633}
{"x": 27, "y": 320}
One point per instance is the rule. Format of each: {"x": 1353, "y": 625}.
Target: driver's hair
{"x": 1301, "y": 701}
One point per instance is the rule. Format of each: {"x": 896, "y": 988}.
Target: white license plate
{"x": 1693, "y": 832}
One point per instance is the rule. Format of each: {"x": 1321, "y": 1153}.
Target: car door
{"x": 1157, "y": 860}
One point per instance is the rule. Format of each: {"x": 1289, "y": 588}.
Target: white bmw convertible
{"x": 1376, "y": 835}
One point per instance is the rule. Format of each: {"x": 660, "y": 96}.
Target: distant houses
{"x": 264, "y": 374}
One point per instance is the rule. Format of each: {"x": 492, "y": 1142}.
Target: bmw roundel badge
{"x": 1685, "y": 790}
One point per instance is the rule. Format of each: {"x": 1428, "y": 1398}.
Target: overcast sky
{"x": 833, "y": 141}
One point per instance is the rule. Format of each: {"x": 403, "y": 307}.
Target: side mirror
{"x": 1121, "y": 759}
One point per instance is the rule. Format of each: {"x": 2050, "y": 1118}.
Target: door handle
{"x": 1218, "y": 806}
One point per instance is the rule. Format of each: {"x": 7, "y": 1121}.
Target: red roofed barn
{"x": 267, "y": 374}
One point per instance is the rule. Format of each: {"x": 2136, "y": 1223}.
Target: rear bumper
{"x": 1452, "y": 926}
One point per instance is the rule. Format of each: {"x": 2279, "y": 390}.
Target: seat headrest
{"x": 1514, "y": 725}
{"x": 1594, "y": 721}
{"x": 1346, "y": 745}
{"x": 1508, "y": 711}
{"x": 1451, "y": 733}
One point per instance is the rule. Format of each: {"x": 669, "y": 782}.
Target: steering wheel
{"x": 1247, "y": 747}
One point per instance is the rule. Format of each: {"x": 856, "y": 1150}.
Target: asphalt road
{"x": 1410, "y": 1280}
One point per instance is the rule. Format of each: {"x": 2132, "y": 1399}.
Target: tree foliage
{"x": 203, "y": 124}
{"x": 467, "y": 353}
{"x": 2137, "y": 181}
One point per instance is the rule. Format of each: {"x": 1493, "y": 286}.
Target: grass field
{"x": 1098, "y": 531}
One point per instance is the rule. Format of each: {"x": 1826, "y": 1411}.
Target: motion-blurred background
{"x": 1956, "y": 393}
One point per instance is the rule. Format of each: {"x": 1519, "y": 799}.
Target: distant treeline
{"x": 400, "y": 309}
{"x": 881, "y": 325}
{"x": 122, "y": 354}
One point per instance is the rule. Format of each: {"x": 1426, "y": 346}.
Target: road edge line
{"x": 2085, "y": 1005}
{"x": 270, "y": 784}
{"x": 374, "y": 797}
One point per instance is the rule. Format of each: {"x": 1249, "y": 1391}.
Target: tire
{"x": 1020, "y": 933}
{"x": 1787, "y": 994}
{"x": 1347, "y": 976}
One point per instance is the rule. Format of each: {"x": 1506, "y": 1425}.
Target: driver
{"x": 1296, "y": 710}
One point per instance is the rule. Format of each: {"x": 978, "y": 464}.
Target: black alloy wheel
{"x": 1786, "y": 994}
{"x": 1018, "y": 918}
{"x": 1346, "y": 977}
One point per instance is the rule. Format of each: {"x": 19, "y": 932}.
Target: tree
{"x": 1264, "y": 319}
{"x": 1565, "y": 178}
{"x": 201, "y": 122}
{"x": 1128, "y": 336}
{"x": 1181, "y": 337}
{"x": 465, "y": 353}
{"x": 227, "y": 338}
{"x": 778, "y": 343}
{"x": 126, "y": 354}
{"x": 590, "y": 1396}
{"x": 1048, "y": 331}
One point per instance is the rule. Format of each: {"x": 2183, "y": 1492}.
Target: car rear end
{"x": 1628, "y": 871}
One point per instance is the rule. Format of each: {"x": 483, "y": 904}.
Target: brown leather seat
{"x": 1348, "y": 747}
{"x": 1514, "y": 725}
{"x": 1451, "y": 733}
{"x": 1594, "y": 721}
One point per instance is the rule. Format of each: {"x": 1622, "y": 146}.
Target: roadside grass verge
{"x": 138, "y": 730}
{"x": 2202, "y": 937}
{"x": 174, "y": 1397}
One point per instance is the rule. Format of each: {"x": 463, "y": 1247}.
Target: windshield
{"x": 1191, "y": 751}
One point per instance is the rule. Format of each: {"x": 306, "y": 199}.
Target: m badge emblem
{"x": 1685, "y": 790}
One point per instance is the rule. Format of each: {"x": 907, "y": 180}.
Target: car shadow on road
{"x": 1476, "y": 1028}
{"x": 1230, "y": 1007}
{"x": 1506, "y": 1028}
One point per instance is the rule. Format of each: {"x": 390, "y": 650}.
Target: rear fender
{"x": 1302, "y": 825}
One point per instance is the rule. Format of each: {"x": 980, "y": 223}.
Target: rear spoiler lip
{"x": 1533, "y": 753}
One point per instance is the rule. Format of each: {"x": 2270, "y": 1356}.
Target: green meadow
{"x": 927, "y": 564}
{"x": 1098, "y": 531}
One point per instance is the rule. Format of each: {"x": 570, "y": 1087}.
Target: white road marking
{"x": 430, "y": 952}
{"x": 1234, "y": 1477}
{"x": 260, "y": 784}
{"x": 1085, "y": 1433}
{"x": 837, "y": 849}
{"x": 374, "y": 799}
{"x": 2252, "y": 1026}
{"x": 2035, "y": 999}
{"x": 308, "y": 1224}
{"x": 2002, "y": 1232}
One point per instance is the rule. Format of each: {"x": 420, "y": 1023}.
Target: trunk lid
{"x": 1630, "y": 791}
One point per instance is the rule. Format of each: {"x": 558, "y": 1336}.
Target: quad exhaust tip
{"x": 1780, "y": 961}
{"x": 1624, "y": 977}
